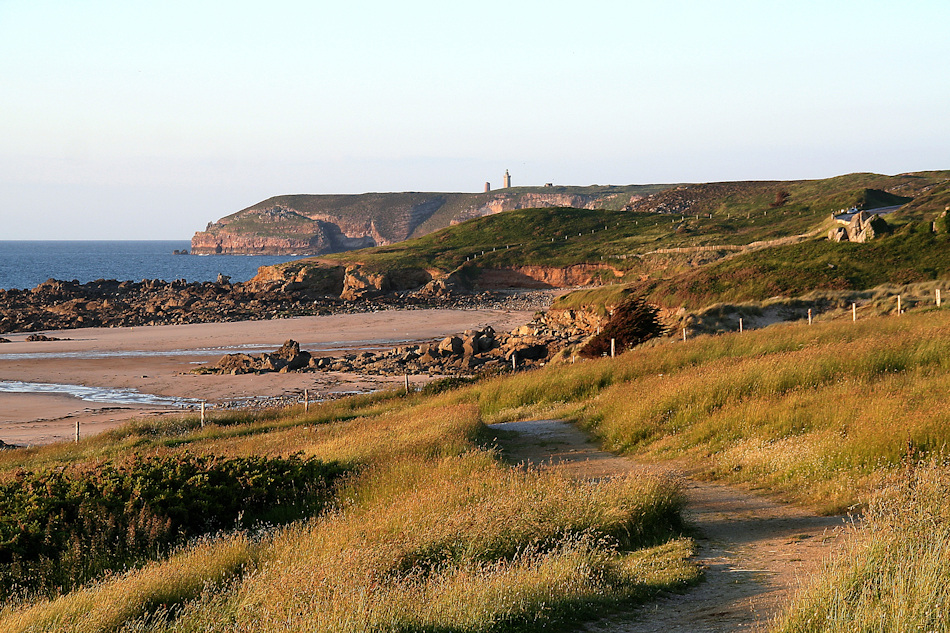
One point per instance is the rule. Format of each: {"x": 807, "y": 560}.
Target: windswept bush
{"x": 633, "y": 322}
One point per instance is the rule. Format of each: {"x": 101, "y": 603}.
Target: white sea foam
{"x": 95, "y": 394}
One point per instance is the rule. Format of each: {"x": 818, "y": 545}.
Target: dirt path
{"x": 755, "y": 551}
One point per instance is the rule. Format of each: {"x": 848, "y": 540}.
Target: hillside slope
{"x": 684, "y": 230}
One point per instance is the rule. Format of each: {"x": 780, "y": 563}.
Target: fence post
{"x": 809, "y": 316}
{"x": 407, "y": 383}
{"x": 306, "y": 400}
{"x": 854, "y": 311}
{"x": 684, "y": 334}
{"x": 202, "y": 414}
{"x": 514, "y": 361}
{"x": 613, "y": 347}
{"x": 77, "y": 430}
{"x": 938, "y": 297}
{"x": 898, "y": 305}
{"x": 740, "y": 324}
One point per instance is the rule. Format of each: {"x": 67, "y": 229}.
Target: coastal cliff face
{"x": 354, "y": 282}
{"x": 322, "y": 224}
{"x": 499, "y": 202}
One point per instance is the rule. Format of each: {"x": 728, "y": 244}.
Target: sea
{"x": 26, "y": 264}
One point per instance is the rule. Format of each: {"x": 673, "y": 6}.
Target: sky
{"x": 146, "y": 120}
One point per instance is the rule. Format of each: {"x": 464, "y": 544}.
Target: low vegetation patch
{"x": 430, "y": 532}
{"x": 65, "y": 526}
{"x": 912, "y": 254}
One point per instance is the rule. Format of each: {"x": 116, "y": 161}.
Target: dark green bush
{"x": 63, "y": 527}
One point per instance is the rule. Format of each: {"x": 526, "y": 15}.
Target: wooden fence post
{"x": 202, "y": 414}
{"x": 77, "y": 430}
{"x": 938, "y": 297}
{"x": 407, "y": 383}
{"x": 514, "y": 361}
{"x": 809, "y": 316}
{"x": 684, "y": 334}
{"x": 306, "y": 400}
{"x": 854, "y": 311}
{"x": 898, "y": 305}
{"x": 740, "y": 324}
{"x": 613, "y": 347}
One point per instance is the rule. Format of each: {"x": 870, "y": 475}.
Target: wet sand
{"x": 158, "y": 359}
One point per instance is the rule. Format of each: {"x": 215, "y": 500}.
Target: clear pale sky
{"x": 146, "y": 120}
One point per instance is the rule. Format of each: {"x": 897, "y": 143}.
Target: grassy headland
{"x": 698, "y": 244}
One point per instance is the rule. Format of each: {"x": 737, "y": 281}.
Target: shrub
{"x": 633, "y": 322}
{"x": 63, "y": 527}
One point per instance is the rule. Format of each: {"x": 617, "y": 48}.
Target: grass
{"x": 912, "y": 255}
{"x": 894, "y": 572}
{"x": 804, "y": 411}
{"x": 702, "y": 224}
{"x": 430, "y": 532}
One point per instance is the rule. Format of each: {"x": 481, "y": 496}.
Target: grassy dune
{"x": 807, "y": 412}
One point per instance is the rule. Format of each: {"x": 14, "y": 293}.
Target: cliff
{"x": 322, "y": 224}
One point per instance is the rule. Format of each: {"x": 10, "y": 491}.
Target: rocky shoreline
{"x": 548, "y": 337}
{"x": 59, "y": 305}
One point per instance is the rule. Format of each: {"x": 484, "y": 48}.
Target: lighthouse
{"x": 507, "y": 180}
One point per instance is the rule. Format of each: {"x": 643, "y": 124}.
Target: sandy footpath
{"x": 157, "y": 360}
{"x": 755, "y": 552}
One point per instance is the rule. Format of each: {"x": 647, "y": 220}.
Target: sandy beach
{"x": 157, "y": 360}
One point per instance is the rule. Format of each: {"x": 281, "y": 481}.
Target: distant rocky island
{"x": 322, "y": 224}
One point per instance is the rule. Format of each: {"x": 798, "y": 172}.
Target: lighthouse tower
{"x": 507, "y": 180}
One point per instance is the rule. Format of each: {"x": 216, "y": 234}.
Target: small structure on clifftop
{"x": 507, "y": 180}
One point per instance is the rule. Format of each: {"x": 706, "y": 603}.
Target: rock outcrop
{"x": 862, "y": 227}
{"x": 316, "y": 225}
{"x": 286, "y": 359}
{"x": 55, "y": 305}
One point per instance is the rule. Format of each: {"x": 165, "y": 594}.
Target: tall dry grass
{"x": 817, "y": 412}
{"x": 431, "y": 532}
{"x": 113, "y": 602}
{"x": 894, "y": 573}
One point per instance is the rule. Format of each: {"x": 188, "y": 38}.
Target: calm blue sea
{"x": 25, "y": 264}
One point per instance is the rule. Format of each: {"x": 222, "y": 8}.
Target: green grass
{"x": 803, "y": 411}
{"x": 912, "y": 254}
{"x": 433, "y": 532}
{"x": 720, "y": 214}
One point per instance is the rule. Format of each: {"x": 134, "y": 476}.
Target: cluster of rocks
{"x": 110, "y": 303}
{"x": 286, "y": 359}
{"x": 33, "y": 338}
{"x": 472, "y": 352}
{"x": 476, "y": 351}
